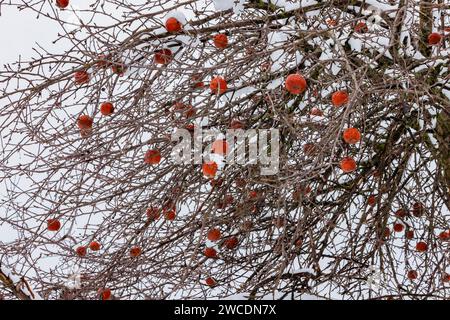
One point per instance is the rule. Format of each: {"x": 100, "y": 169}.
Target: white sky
{"x": 19, "y": 32}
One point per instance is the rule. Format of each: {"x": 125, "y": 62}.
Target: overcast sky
{"x": 20, "y": 30}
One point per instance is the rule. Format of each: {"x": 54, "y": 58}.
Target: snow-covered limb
{"x": 18, "y": 286}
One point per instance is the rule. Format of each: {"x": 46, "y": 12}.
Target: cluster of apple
{"x": 163, "y": 56}
{"x": 218, "y": 85}
{"x": 418, "y": 210}
{"x": 433, "y": 38}
{"x": 295, "y": 84}
{"x": 229, "y": 243}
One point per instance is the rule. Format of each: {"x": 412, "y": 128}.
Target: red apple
{"x": 81, "y": 77}
{"x": 421, "y": 246}
{"x": 372, "y": 200}
{"x": 163, "y": 56}
{"x": 418, "y": 209}
{"x": 135, "y": 252}
{"x": 170, "y": 215}
{"x": 444, "y": 235}
{"x": 361, "y": 27}
{"x": 412, "y": 274}
{"x": 94, "y": 246}
{"x": 210, "y": 253}
{"x": 85, "y": 122}
{"x": 81, "y": 251}
{"x": 221, "y": 41}
{"x": 152, "y": 157}
{"x": 295, "y": 83}
{"x": 173, "y": 25}
{"x": 53, "y": 225}
{"x": 351, "y": 135}
{"x": 209, "y": 169}
{"x": 434, "y": 38}
{"x": 62, "y": 3}
{"x": 105, "y": 294}
{"x": 348, "y": 164}
{"x": 231, "y": 243}
{"x": 401, "y": 213}
{"x": 106, "y": 108}
{"x": 213, "y": 234}
{"x": 409, "y": 234}
{"x": 339, "y": 98}
{"x": 218, "y": 85}
{"x": 398, "y": 227}
{"x": 210, "y": 281}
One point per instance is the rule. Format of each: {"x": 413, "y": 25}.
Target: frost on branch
{"x": 19, "y": 287}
